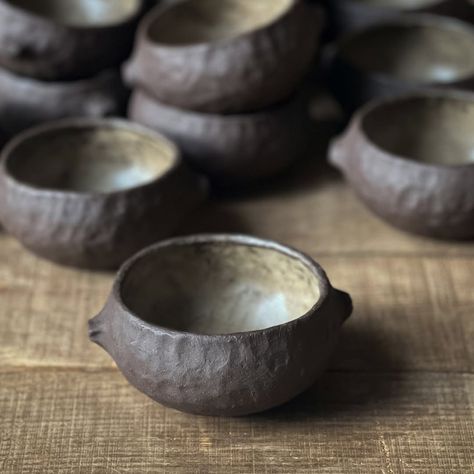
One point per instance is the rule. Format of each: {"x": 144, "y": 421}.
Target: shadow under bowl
{"x": 59, "y": 40}
{"x": 221, "y": 324}
{"x": 230, "y": 149}
{"x": 25, "y": 102}
{"x": 411, "y": 160}
{"x": 224, "y": 56}
{"x": 92, "y": 192}
{"x": 411, "y": 54}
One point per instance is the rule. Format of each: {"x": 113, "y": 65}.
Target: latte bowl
{"x": 411, "y": 161}
{"x": 224, "y": 56}
{"x": 234, "y": 149}
{"x": 92, "y": 192}
{"x": 221, "y": 324}
{"x": 58, "y": 40}
{"x": 401, "y": 56}
{"x": 25, "y": 102}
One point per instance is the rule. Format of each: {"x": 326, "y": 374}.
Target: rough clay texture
{"x": 36, "y": 47}
{"x": 349, "y": 15}
{"x": 229, "y": 148}
{"x": 97, "y": 230}
{"x": 354, "y": 86}
{"x": 247, "y": 73}
{"x": 427, "y": 199}
{"x": 25, "y": 102}
{"x": 231, "y": 375}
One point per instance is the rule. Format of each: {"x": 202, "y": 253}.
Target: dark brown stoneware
{"x": 350, "y": 15}
{"x": 411, "y": 160}
{"x": 224, "y": 56}
{"x": 25, "y": 102}
{"x": 221, "y": 324}
{"x": 92, "y": 192}
{"x": 402, "y": 56}
{"x": 231, "y": 149}
{"x": 56, "y": 39}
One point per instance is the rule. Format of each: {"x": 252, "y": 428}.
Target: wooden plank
{"x": 94, "y": 422}
{"x": 414, "y": 313}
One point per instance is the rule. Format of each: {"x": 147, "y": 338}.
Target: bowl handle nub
{"x": 344, "y": 304}
{"x": 97, "y": 328}
{"x": 338, "y": 152}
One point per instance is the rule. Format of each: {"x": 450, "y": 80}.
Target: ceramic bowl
{"x": 411, "y": 160}
{"x": 57, "y": 39}
{"x": 91, "y": 192}
{"x": 230, "y": 149}
{"x": 224, "y": 56}
{"x": 25, "y": 102}
{"x": 350, "y": 15}
{"x": 221, "y": 324}
{"x": 403, "y": 56}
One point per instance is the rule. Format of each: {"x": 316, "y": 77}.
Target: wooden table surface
{"x": 398, "y": 397}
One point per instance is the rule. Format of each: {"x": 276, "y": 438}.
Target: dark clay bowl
{"x": 92, "y": 192}
{"x": 58, "y": 39}
{"x": 350, "y": 15}
{"x": 411, "y": 160}
{"x": 221, "y": 324}
{"x": 230, "y": 149}
{"x": 403, "y": 56}
{"x": 224, "y": 55}
{"x": 25, "y": 102}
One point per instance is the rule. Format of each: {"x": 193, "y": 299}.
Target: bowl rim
{"x": 77, "y": 123}
{"x": 404, "y": 20}
{"x": 409, "y": 9}
{"x": 364, "y": 111}
{"x": 46, "y": 20}
{"x": 219, "y": 239}
{"x": 155, "y": 13}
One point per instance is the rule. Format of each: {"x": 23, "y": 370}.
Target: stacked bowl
{"x": 58, "y": 58}
{"x": 220, "y": 77}
{"x": 408, "y": 79}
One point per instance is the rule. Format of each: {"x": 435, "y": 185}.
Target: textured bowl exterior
{"x": 37, "y": 47}
{"x": 242, "y": 74}
{"x": 25, "y": 102}
{"x": 427, "y": 199}
{"x": 230, "y": 375}
{"x": 94, "y": 230}
{"x": 229, "y": 148}
{"x": 349, "y": 15}
{"x": 353, "y": 86}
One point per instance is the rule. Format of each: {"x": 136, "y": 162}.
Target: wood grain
{"x": 94, "y": 422}
{"x": 399, "y": 396}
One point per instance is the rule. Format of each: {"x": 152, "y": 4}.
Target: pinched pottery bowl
{"x": 231, "y": 149}
{"x": 411, "y": 160}
{"x": 349, "y": 15}
{"x": 25, "y": 102}
{"x": 92, "y": 192}
{"x": 406, "y": 55}
{"x": 221, "y": 324}
{"x": 58, "y": 39}
{"x": 224, "y": 56}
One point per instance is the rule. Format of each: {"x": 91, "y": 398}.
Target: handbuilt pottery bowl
{"x": 403, "y": 56}
{"x": 25, "y": 102}
{"x": 57, "y": 39}
{"x": 230, "y": 149}
{"x": 92, "y": 192}
{"x": 411, "y": 160}
{"x": 224, "y": 56}
{"x": 349, "y": 15}
{"x": 221, "y": 324}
